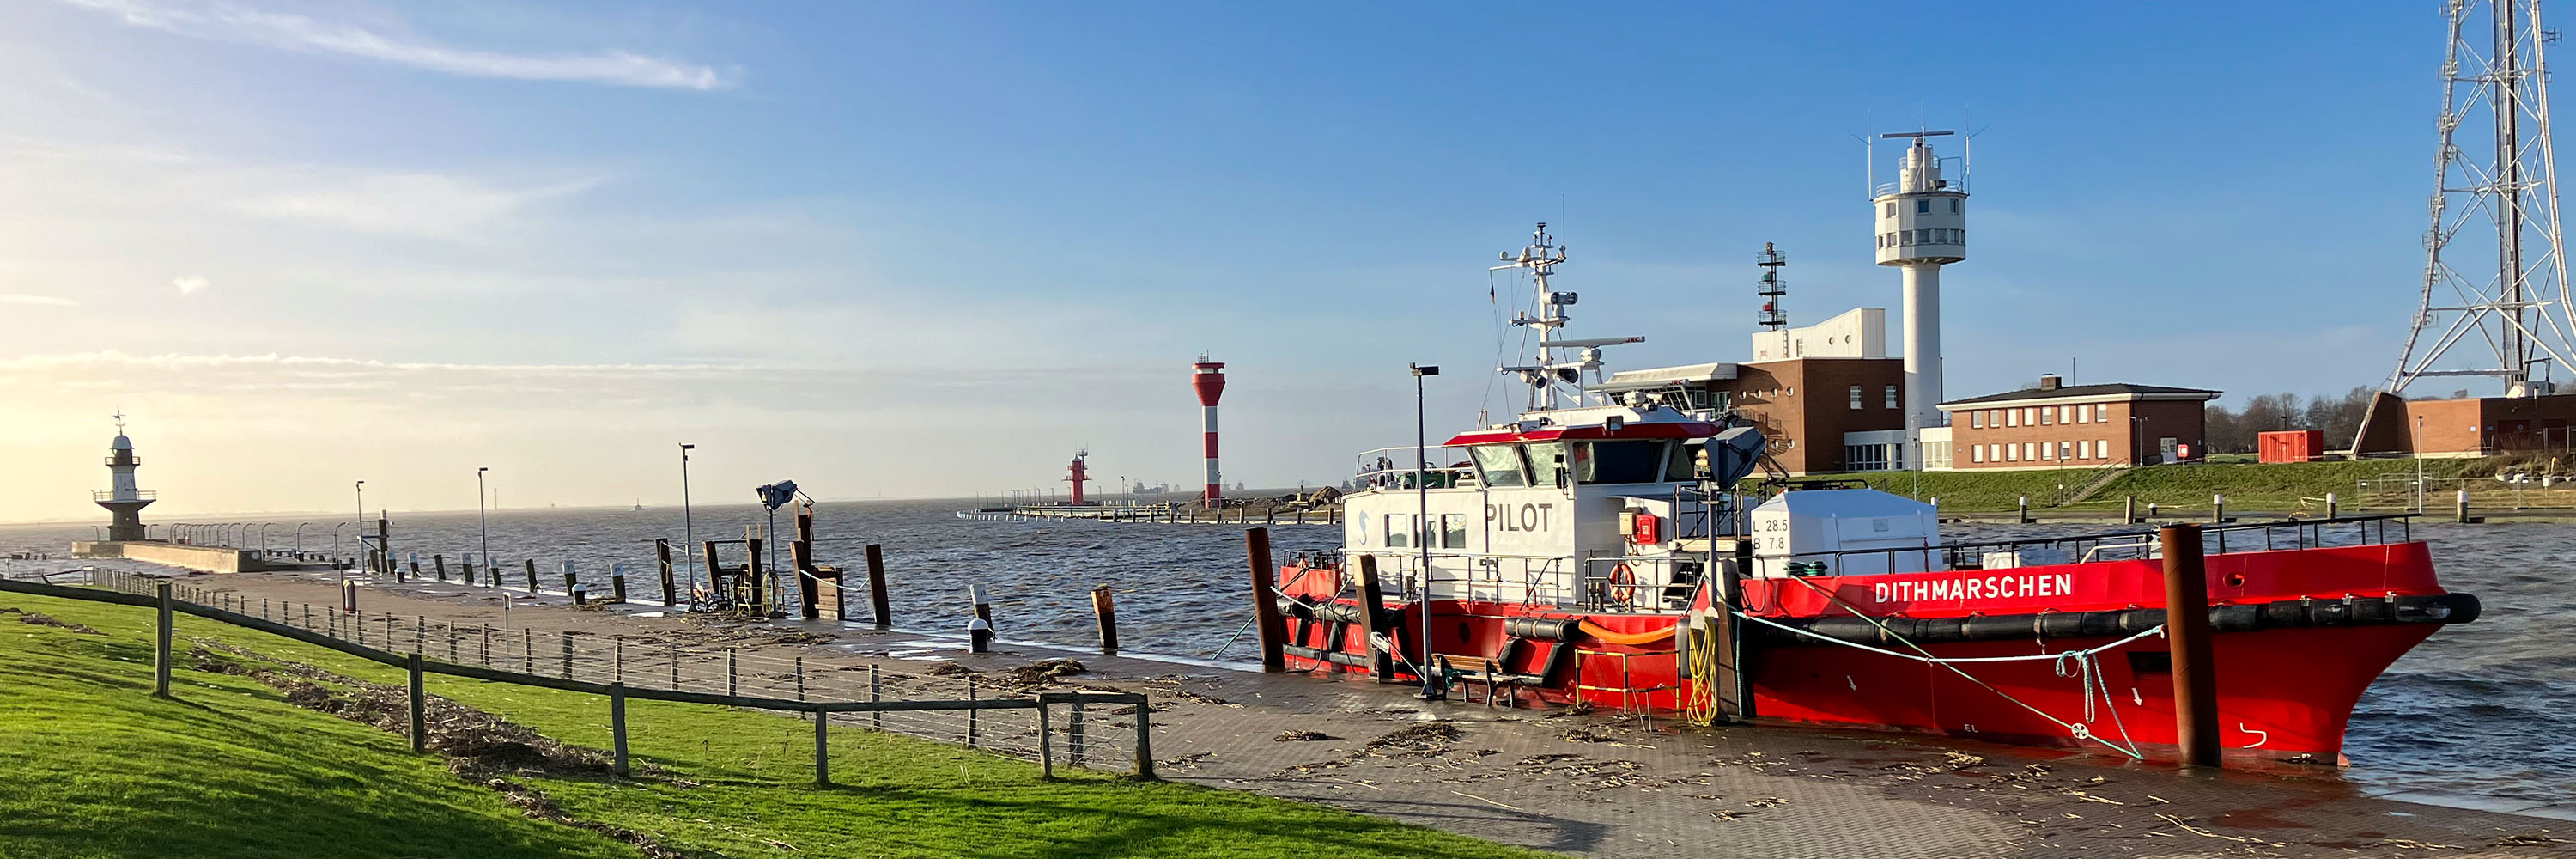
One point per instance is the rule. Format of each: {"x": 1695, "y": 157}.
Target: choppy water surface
{"x": 2488, "y": 708}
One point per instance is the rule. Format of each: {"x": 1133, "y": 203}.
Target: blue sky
{"x": 933, "y": 248}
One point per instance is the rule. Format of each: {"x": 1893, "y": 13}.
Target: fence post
{"x": 1144, "y": 737}
{"x": 419, "y": 705}
{"x": 419, "y": 633}
{"x": 567, "y": 654}
{"x": 876, "y": 692}
{"x": 877, "y": 586}
{"x": 1073, "y": 734}
{"x": 822, "y": 749}
{"x": 1046, "y": 743}
{"x": 617, "y": 727}
{"x": 800, "y": 678}
{"x": 161, "y": 643}
{"x": 527, "y": 651}
{"x": 487, "y": 645}
{"x": 675, "y": 666}
{"x": 971, "y": 712}
{"x": 617, "y": 659}
{"x": 733, "y": 676}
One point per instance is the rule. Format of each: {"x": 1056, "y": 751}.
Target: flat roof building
{"x": 2054, "y": 425}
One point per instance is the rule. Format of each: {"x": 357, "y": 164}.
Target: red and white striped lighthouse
{"x": 1209, "y": 378}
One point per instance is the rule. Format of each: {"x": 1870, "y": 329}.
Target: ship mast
{"x": 1547, "y": 370}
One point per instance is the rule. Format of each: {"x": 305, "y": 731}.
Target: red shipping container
{"x": 2290, "y": 446}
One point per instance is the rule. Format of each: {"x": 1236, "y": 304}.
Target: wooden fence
{"x": 1082, "y": 747}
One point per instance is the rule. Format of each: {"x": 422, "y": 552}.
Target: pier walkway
{"x": 1600, "y": 785}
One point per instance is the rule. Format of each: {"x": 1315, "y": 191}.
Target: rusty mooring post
{"x": 1373, "y": 601}
{"x": 877, "y": 586}
{"x": 1265, "y": 601}
{"x": 2187, "y": 641}
{"x": 1106, "y": 609}
{"x": 662, "y": 556}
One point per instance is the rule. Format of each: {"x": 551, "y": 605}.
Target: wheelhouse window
{"x": 1617, "y": 461}
{"x": 1547, "y": 462}
{"x": 1499, "y": 465}
{"x": 1681, "y": 462}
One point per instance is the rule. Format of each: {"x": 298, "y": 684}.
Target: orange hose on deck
{"x": 1629, "y": 638}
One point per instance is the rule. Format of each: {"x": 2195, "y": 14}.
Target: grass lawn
{"x": 2278, "y": 487}
{"x": 96, "y": 767}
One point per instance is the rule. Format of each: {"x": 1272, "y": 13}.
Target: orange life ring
{"x": 1623, "y": 585}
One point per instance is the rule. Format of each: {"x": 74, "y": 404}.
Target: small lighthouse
{"x": 124, "y": 502}
{"x": 1922, "y": 226}
{"x": 1208, "y": 377}
{"x": 1076, "y": 475}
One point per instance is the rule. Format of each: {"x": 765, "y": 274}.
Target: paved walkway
{"x": 1605, "y": 786}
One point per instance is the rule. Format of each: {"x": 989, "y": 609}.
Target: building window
{"x": 2047, "y": 451}
{"x": 1891, "y": 396}
{"x": 1855, "y": 399}
{"x": 2065, "y": 414}
{"x": 1921, "y": 207}
{"x": 1891, "y": 208}
{"x": 1906, "y": 235}
{"x": 2047, "y": 416}
{"x": 2012, "y": 417}
{"x": 2029, "y": 451}
{"x": 1977, "y": 453}
{"x": 1954, "y": 205}
{"x": 2104, "y": 445}
{"x": 2030, "y": 417}
{"x": 2065, "y": 450}
{"x": 1977, "y": 418}
{"x": 2083, "y": 415}
{"x": 2101, "y": 413}
{"x": 2012, "y": 453}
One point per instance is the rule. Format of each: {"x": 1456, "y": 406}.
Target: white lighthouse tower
{"x": 1922, "y": 226}
{"x": 124, "y": 503}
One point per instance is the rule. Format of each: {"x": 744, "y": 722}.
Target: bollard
{"x": 2331, "y": 511}
{"x": 2460, "y": 508}
{"x": 570, "y": 581}
{"x": 2151, "y": 510}
{"x": 2023, "y": 508}
{"x": 1106, "y": 609}
{"x": 2129, "y": 509}
{"x": 1272, "y": 630}
{"x": 580, "y": 595}
{"x": 2195, "y": 683}
{"x": 979, "y": 629}
{"x": 349, "y": 597}
{"x": 617, "y": 583}
{"x": 2218, "y": 508}
{"x": 532, "y": 575}
{"x": 877, "y": 586}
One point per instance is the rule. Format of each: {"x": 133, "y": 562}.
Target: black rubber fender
{"x": 2438, "y": 608}
{"x": 1543, "y": 628}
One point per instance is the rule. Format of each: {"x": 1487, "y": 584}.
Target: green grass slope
{"x": 2277, "y": 487}
{"x": 97, "y": 768}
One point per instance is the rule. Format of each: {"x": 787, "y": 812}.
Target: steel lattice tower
{"x": 2518, "y": 304}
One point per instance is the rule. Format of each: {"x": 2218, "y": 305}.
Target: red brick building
{"x": 2078, "y": 426}
{"x": 1804, "y": 406}
{"x": 2477, "y": 426}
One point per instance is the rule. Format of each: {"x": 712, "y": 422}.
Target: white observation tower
{"x": 1922, "y": 226}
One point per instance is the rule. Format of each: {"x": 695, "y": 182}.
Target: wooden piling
{"x": 1145, "y": 739}
{"x": 1265, "y": 601}
{"x": 2129, "y": 509}
{"x": 617, "y": 583}
{"x": 2195, "y": 682}
{"x": 1046, "y": 743}
{"x": 1373, "y": 601}
{"x": 1105, "y": 609}
{"x": 756, "y": 576}
{"x": 161, "y": 642}
{"x": 877, "y": 586}
{"x": 419, "y": 704}
{"x": 466, "y": 564}
{"x": 532, "y": 575}
{"x": 662, "y": 557}
{"x": 800, "y": 554}
{"x": 617, "y": 728}
{"x": 439, "y": 562}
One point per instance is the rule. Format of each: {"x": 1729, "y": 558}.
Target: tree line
{"x": 2234, "y": 430}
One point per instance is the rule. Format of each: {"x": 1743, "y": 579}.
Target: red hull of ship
{"x": 2283, "y": 692}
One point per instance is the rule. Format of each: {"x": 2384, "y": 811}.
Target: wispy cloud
{"x": 406, "y": 203}
{"x": 228, "y": 22}
{"x": 38, "y": 301}
{"x": 188, "y": 285}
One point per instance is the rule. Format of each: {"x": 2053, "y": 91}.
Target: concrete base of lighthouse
{"x": 126, "y": 519}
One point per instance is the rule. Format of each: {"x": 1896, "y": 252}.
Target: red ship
{"x": 1599, "y": 551}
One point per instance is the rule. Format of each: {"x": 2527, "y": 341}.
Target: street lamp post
{"x": 688, "y": 521}
{"x": 483, "y": 518}
{"x": 1422, "y": 526}
{"x": 299, "y": 539}
{"x": 362, "y": 527}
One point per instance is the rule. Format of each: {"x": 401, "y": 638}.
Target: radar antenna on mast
{"x": 1548, "y": 370}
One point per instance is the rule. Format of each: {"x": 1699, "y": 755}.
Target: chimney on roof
{"x": 2049, "y": 382}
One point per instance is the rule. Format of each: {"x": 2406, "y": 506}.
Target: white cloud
{"x": 403, "y": 203}
{"x": 189, "y": 284}
{"x": 228, "y": 22}
{"x": 38, "y": 300}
